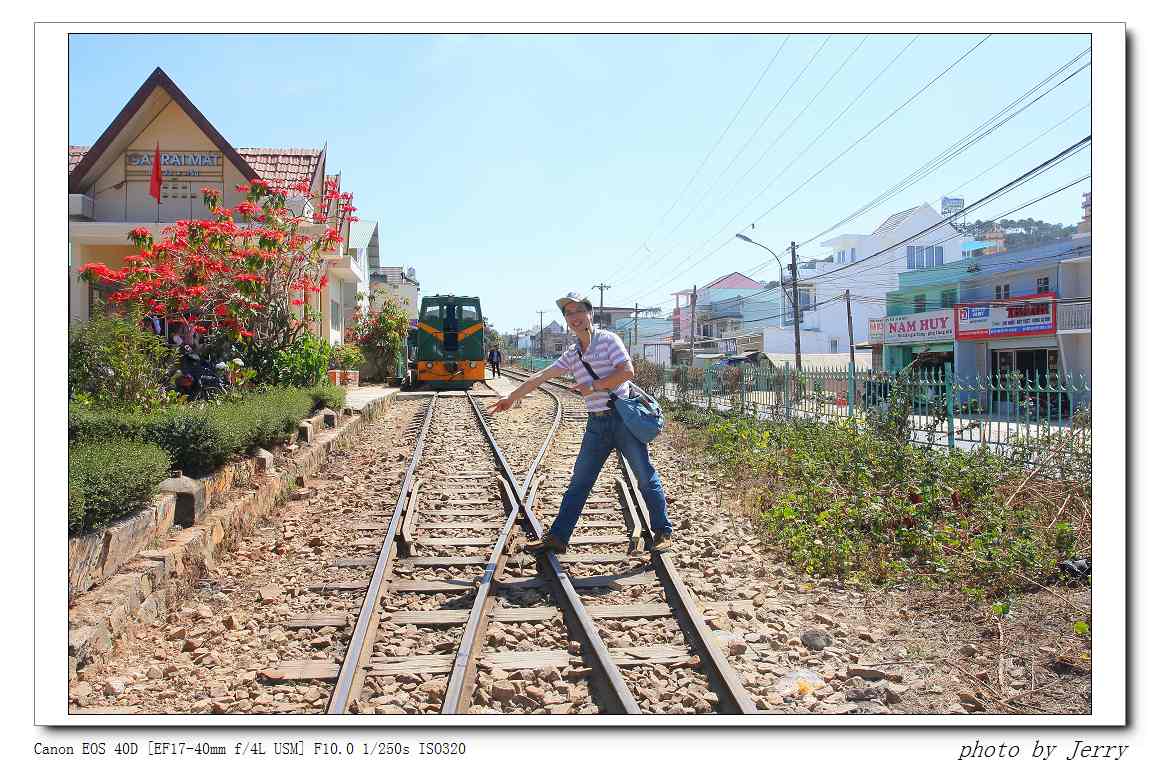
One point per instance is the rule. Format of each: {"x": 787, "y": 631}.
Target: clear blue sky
{"x": 517, "y": 167}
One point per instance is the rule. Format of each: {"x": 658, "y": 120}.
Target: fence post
{"x": 949, "y": 384}
{"x": 850, "y": 391}
{"x": 785, "y": 394}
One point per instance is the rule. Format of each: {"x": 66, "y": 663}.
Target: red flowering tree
{"x": 245, "y": 276}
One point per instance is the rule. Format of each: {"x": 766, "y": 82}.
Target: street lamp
{"x": 797, "y": 345}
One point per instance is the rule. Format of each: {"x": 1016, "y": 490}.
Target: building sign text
{"x": 931, "y": 326}
{"x": 1018, "y": 319}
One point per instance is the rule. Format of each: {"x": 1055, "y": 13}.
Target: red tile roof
{"x": 276, "y": 165}
{"x": 75, "y": 153}
{"x": 283, "y": 166}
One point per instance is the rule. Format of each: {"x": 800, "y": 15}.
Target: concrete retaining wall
{"x": 141, "y": 585}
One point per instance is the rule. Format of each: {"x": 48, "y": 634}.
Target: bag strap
{"x": 591, "y": 371}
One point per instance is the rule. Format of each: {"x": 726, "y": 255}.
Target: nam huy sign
{"x": 1021, "y": 317}
{"x": 931, "y": 326}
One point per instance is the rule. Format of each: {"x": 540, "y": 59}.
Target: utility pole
{"x": 797, "y": 333}
{"x": 850, "y": 326}
{"x": 541, "y": 312}
{"x": 602, "y": 287}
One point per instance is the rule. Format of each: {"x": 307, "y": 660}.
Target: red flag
{"x": 155, "y": 179}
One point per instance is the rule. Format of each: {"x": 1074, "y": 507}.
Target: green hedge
{"x": 110, "y": 479}
{"x": 200, "y": 437}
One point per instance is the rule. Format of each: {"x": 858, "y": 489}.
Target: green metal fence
{"x": 930, "y": 406}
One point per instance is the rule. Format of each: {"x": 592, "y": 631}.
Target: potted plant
{"x": 345, "y": 361}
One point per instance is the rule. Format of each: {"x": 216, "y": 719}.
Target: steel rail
{"x": 732, "y": 696}
{"x": 723, "y": 678}
{"x": 608, "y": 684}
{"x": 352, "y": 673}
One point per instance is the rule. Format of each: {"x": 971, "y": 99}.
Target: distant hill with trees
{"x": 1021, "y": 232}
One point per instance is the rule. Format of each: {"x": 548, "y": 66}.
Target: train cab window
{"x": 450, "y": 328}
{"x": 433, "y": 314}
{"x": 469, "y": 315}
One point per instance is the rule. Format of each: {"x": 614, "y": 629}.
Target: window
{"x": 911, "y": 259}
{"x": 559, "y": 347}
{"x": 950, "y": 297}
{"x": 833, "y": 345}
{"x": 853, "y": 254}
{"x": 1003, "y": 291}
{"x": 335, "y": 316}
{"x": 920, "y": 303}
{"x": 1042, "y": 285}
{"x": 468, "y": 314}
{"x": 938, "y": 255}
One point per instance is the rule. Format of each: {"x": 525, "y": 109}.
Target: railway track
{"x": 452, "y": 617}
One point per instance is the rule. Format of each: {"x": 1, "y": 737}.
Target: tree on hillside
{"x": 1021, "y": 232}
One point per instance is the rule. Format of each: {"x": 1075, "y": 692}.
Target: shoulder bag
{"x": 641, "y": 413}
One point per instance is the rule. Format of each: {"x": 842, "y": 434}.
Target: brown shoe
{"x": 548, "y": 542}
{"x": 662, "y": 543}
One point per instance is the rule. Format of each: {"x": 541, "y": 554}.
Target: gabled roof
{"x": 282, "y": 166}
{"x": 138, "y": 102}
{"x": 75, "y": 153}
{"x": 894, "y": 220}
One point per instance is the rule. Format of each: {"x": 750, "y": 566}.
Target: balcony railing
{"x": 1074, "y": 317}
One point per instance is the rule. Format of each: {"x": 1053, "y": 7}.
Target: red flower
{"x": 210, "y": 192}
{"x": 139, "y": 232}
{"x": 325, "y": 280}
{"x": 297, "y": 302}
{"x": 246, "y": 333}
{"x": 243, "y": 187}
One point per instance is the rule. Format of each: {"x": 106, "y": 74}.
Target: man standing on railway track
{"x": 604, "y": 352}
{"x": 493, "y": 358}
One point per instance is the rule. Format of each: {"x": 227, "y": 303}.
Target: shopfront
{"x": 1013, "y": 344}
{"x": 919, "y": 341}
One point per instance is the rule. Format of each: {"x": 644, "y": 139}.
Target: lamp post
{"x": 797, "y": 344}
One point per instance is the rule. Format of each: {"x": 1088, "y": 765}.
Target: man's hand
{"x": 583, "y": 389}
{"x": 501, "y": 405}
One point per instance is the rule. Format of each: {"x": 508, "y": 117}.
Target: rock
{"x": 865, "y": 693}
{"x": 269, "y": 594}
{"x": 83, "y": 690}
{"x": 865, "y": 634}
{"x": 825, "y": 620}
{"x": 154, "y": 672}
{"x": 969, "y": 650}
{"x": 796, "y": 683}
{"x": 535, "y": 693}
{"x": 311, "y": 694}
{"x": 865, "y": 673}
{"x": 560, "y": 709}
{"x": 233, "y": 621}
{"x": 816, "y": 639}
{"x": 114, "y": 687}
{"x": 503, "y": 691}
{"x": 204, "y": 612}
{"x": 175, "y": 634}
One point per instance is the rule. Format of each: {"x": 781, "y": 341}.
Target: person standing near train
{"x": 604, "y": 352}
{"x": 494, "y": 358}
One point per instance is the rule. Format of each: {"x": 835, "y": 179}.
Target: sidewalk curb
{"x": 156, "y": 580}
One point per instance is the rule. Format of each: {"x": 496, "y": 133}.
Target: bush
{"x": 328, "y": 395}
{"x": 202, "y": 436}
{"x": 304, "y": 363}
{"x": 843, "y": 500}
{"x": 112, "y": 479}
{"x": 114, "y": 363}
{"x": 347, "y": 357}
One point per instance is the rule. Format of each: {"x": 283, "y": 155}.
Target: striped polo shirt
{"x": 604, "y": 354}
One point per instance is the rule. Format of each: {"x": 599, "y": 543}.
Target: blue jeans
{"x": 603, "y": 434}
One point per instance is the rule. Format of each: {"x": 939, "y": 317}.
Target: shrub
{"x": 88, "y": 423}
{"x": 346, "y": 357}
{"x": 114, "y": 363}
{"x": 195, "y": 438}
{"x": 111, "y": 479}
{"x": 304, "y": 363}
{"x": 327, "y": 395}
{"x": 843, "y": 500}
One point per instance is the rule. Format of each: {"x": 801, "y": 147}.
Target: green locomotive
{"x": 446, "y": 351}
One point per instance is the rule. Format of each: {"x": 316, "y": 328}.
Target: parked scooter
{"x": 199, "y": 377}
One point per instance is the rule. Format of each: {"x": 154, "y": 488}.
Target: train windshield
{"x": 433, "y": 314}
{"x": 470, "y": 315}
{"x": 450, "y": 328}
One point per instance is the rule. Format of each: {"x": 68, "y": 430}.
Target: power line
{"x": 752, "y": 136}
{"x": 713, "y": 148}
{"x": 848, "y": 106}
{"x": 856, "y": 142}
{"x": 973, "y": 137}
